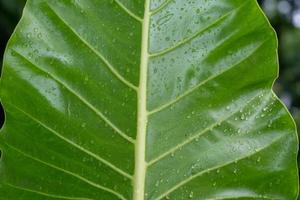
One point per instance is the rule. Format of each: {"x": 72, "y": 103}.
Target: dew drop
{"x": 258, "y": 159}
{"x": 235, "y": 171}
{"x": 242, "y": 117}
{"x": 157, "y": 184}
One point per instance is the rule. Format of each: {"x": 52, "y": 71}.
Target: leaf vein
{"x": 43, "y": 193}
{"x": 189, "y": 140}
{"x": 217, "y": 167}
{"x": 83, "y": 100}
{"x": 182, "y": 42}
{"x": 112, "y": 166}
{"x": 162, "y": 6}
{"x": 97, "y": 53}
{"x": 129, "y": 12}
{"x": 244, "y": 196}
{"x": 178, "y": 98}
{"x": 69, "y": 173}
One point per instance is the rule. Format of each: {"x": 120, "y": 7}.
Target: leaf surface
{"x": 162, "y": 99}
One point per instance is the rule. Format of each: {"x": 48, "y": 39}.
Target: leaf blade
{"x": 167, "y": 100}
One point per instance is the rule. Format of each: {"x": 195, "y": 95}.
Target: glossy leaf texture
{"x": 162, "y": 99}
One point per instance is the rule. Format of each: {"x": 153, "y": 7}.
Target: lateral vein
{"x": 162, "y": 6}
{"x": 129, "y": 12}
{"x": 83, "y": 100}
{"x": 192, "y": 138}
{"x": 44, "y": 194}
{"x": 185, "y": 40}
{"x": 186, "y": 93}
{"x": 97, "y": 53}
{"x": 244, "y": 196}
{"x": 113, "y": 167}
{"x": 68, "y": 172}
{"x": 217, "y": 167}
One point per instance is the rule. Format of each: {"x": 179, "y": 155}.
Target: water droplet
{"x": 157, "y": 184}
{"x": 270, "y": 124}
{"x": 258, "y": 159}
{"x": 86, "y": 78}
{"x": 235, "y": 171}
{"x": 164, "y": 19}
{"x": 242, "y": 117}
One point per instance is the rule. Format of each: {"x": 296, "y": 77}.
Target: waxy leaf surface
{"x": 144, "y": 100}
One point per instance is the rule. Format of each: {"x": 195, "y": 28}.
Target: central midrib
{"x": 140, "y": 145}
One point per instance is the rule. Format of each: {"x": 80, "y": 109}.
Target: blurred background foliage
{"x": 285, "y": 18}
{"x": 10, "y": 12}
{"x": 283, "y": 14}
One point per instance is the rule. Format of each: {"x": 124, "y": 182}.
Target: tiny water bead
{"x": 258, "y": 159}
{"x": 235, "y": 171}
{"x": 86, "y": 79}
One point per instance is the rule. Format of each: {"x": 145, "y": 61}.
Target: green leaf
{"x": 114, "y": 99}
